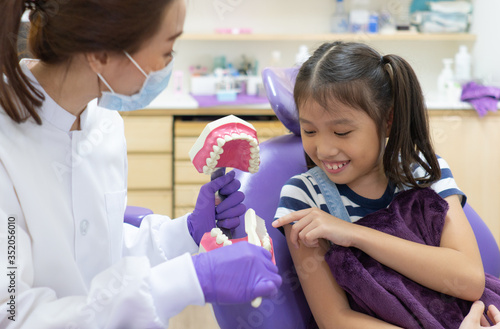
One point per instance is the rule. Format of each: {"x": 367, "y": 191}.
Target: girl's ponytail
{"x": 18, "y": 97}
{"x": 409, "y": 138}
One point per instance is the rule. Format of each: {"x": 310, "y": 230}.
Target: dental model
{"x": 227, "y": 142}
{"x": 255, "y": 228}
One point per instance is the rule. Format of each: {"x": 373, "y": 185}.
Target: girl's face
{"x": 345, "y": 143}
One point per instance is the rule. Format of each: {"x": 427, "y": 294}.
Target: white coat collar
{"x": 51, "y": 111}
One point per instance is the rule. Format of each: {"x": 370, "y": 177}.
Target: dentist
{"x": 70, "y": 260}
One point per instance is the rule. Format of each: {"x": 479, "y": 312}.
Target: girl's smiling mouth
{"x": 335, "y": 167}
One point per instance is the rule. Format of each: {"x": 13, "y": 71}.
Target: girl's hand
{"x": 475, "y": 319}
{"x": 313, "y": 224}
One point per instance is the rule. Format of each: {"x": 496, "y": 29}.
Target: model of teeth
{"x": 217, "y": 239}
{"x": 227, "y": 142}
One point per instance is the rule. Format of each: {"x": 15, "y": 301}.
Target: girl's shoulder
{"x": 304, "y": 179}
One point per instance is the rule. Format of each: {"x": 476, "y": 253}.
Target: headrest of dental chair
{"x": 279, "y": 84}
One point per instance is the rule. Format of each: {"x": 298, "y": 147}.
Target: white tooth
{"x": 227, "y": 138}
{"x": 214, "y": 156}
{"x": 340, "y": 166}
{"x": 206, "y": 170}
{"x": 254, "y": 150}
{"x": 228, "y": 243}
{"x": 236, "y": 136}
{"x": 221, "y": 142}
{"x": 254, "y": 155}
{"x": 244, "y": 136}
{"x": 215, "y": 231}
{"x": 335, "y": 167}
{"x": 218, "y": 150}
{"x": 221, "y": 238}
{"x": 254, "y": 142}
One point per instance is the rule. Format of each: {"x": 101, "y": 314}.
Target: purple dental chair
{"x": 281, "y": 158}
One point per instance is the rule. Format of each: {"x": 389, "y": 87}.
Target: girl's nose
{"x": 326, "y": 149}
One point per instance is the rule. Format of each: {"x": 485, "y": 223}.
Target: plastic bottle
{"x": 447, "y": 88}
{"x": 340, "y": 18}
{"x": 359, "y": 16}
{"x": 302, "y": 55}
{"x": 463, "y": 65}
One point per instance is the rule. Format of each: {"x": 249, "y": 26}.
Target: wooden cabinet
{"x": 149, "y": 148}
{"x": 471, "y": 146}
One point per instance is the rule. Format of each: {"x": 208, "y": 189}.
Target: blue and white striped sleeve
{"x": 446, "y": 185}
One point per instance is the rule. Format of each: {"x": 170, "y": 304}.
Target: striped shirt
{"x": 302, "y": 192}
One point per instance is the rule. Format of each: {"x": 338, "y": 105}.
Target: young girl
{"x": 364, "y": 127}
{"x": 70, "y": 259}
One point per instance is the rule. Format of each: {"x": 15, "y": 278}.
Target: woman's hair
{"x": 386, "y": 88}
{"x": 62, "y": 28}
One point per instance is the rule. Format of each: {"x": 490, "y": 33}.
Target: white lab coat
{"x": 76, "y": 264}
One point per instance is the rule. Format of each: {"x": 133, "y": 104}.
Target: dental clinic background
{"x": 292, "y": 24}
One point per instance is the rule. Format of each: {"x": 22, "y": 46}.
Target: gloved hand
{"x": 237, "y": 273}
{"x": 227, "y": 213}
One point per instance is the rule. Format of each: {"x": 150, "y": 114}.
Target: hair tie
{"x": 39, "y": 12}
{"x": 34, "y": 5}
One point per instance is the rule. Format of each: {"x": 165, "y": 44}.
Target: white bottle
{"x": 340, "y": 18}
{"x": 302, "y": 55}
{"x": 446, "y": 80}
{"x": 463, "y": 63}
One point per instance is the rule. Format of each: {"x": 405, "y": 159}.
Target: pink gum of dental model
{"x": 208, "y": 242}
{"x": 236, "y": 152}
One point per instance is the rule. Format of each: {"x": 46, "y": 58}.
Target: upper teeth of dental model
{"x": 227, "y": 142}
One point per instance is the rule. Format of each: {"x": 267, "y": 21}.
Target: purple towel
{"x": 374, "y": 289}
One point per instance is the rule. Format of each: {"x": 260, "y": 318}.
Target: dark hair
{"x": 382, "y": 86}
{"x": 63, "y": 28}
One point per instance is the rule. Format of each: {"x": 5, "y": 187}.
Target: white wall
{"x": 486, "y": 53}
{"x": 300, "y": 17}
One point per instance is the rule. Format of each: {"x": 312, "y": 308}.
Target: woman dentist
{"x": 70, "y": 260}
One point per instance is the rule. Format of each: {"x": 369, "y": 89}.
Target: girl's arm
{"x": 327, "y": 300}
{"x": 454, "y": 268}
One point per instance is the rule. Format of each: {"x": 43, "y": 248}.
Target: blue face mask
{"x": 154, "y": 84}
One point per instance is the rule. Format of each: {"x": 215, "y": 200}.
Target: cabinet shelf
{"x": 399, "y": 36}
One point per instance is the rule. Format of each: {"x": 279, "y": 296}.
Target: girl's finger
{"x": 291, "y": 217}
{"x": 494, "y": 314}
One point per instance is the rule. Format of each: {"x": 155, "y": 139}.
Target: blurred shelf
{"x": 399, "y": 36}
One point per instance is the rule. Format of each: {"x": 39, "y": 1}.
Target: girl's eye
{"x": 343, "y": 134}
{"x": 308, "y": 132}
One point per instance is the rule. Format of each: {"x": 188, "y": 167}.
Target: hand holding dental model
{"x": 255, "y": 227}
{"x": 226, "y": 214}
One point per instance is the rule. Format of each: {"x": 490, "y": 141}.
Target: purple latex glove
{"x": 237, "y": 274}
{"x": 206, "y": 214}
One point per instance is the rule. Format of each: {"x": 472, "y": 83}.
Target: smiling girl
{"x": 375, "y": 185}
